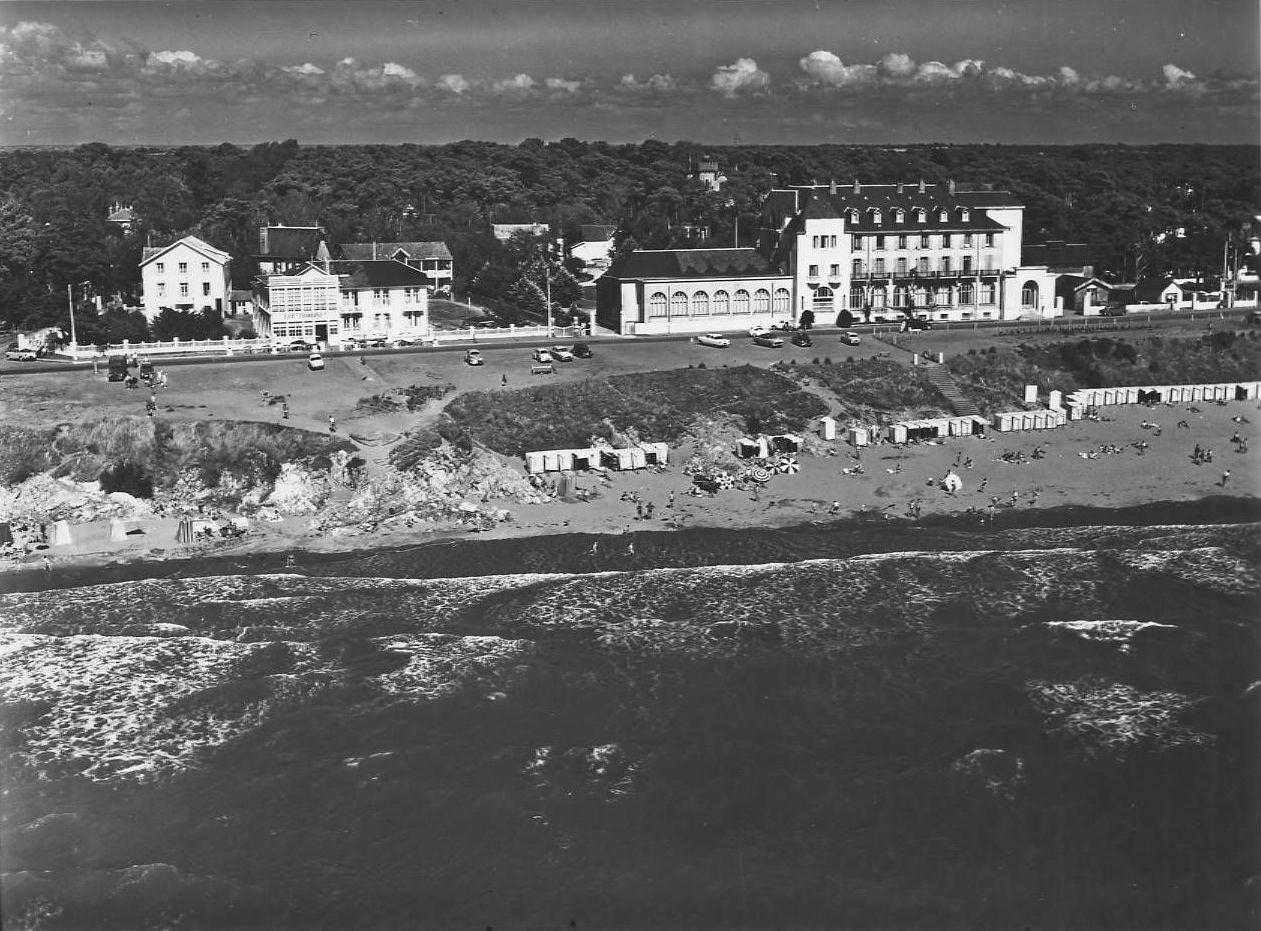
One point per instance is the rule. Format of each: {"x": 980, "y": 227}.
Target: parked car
{"x": 582, "y": 351}
{"x": 802, "y": 339}
{"x": 542, "y": 356}
{"x": 766, "y": 339}
{"x": 117, "y": 368}
{"x": 146, "y": 369}
{"x": 562, "y": 354}
{"x": 315, "y": 362}
{"x": 851, "y": 339}
{"x": 298, "y": 345}
{"x": 758, "y": 330}
{"x": 916, "y": 323}
{"x": 16, "y": 354}
{"x": 716, "y": 340}
{"x": 474, "y": 357}
{"x": 402, "y": 341}
{"x": 1253, "y": 317}
{"x": 786, "y": 326}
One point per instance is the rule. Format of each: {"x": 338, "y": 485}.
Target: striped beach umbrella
{"x": 725, "y": 480}
{"x": 788, "y": 466}
{"x": 759, "y": 475}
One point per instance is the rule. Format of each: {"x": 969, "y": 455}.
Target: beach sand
{"x": 892, "y": 479}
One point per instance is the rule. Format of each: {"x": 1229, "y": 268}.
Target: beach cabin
{"x": 584, "y": 459}
{"x": 655, "y": 453}
{"x": 533, "y": 463}
{"x": 60, "y": 535}
{"x": 1055, "y": 399}
{"x": 753, "y": 448}
{"x": 897, "y": 433}
{"x": 827, "y": 428}
{"x": 786, "y": 443}
{"x": 1031, "y": 394}
{"x": 858, "y": 437}
{"x": 622, "y": 460}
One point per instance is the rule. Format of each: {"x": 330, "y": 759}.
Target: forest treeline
{"x": 1126, "y": 202}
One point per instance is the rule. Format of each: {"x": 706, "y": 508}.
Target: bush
{"x": 129, "y": 477}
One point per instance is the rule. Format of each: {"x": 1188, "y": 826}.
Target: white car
{"x": 474, "y": 357}
{"x": 542, "y": 355}
{"x": 562, "y": 354}
{"x": 315, "y": 362}
{"x": 716, "y": 340}
{"x": 851, "y": 339}
{"x": 758, "y": 330}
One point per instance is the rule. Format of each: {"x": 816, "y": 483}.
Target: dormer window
{"x": 853, "y": 215}
{"x": 942, "y": 215}
{"x": 875, "y": 216}
{"x": 963, "y": 214}
{"x": 920, "y": 214}
{"x": 899, "y": 216}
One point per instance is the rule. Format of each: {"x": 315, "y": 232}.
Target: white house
{"x": 433, "y": 258}
{"x": 505, "y": 231}
{"x": 338, "y": 302}
{"x": 187, "y": 275}
{"x": 595, "y": 249}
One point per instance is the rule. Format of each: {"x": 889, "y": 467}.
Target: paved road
{"x": 825, "y": 339}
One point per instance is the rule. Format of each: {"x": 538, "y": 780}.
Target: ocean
{"x": 859, "y": 726}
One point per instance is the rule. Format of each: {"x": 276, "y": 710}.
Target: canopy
{"x": 952, "y": 482}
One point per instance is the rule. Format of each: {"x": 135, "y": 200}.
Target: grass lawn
{"x": 879, "y": 386}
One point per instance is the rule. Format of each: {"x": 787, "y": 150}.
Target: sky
{"x": 709, "y": 71}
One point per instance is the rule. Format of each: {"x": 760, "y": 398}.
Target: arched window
{"x": 963, "y": 214}
{"x": 899, "y": 216}
{"x": 657, "y": 305}
{"x": 761, "y": 301}
{"x": 1029, "y": 294}
{"x": 966, "y": 295}
{"x": 783, "y": 301}
{"x": 700, "y": 304}
{"x": 920, "y": 214}
{"x": 875, "y": 215}
{"x": 741, "y": 303}
{"x": 989, "y": 293}
{"x": 878, "y": 298}
{"x": 943, "y": 215}
{"x": 822, "y": 297}
{"x": 943, "y": 296}
{"x": 678, "y": 304}
{"x": 856, "y": 297}
{"x": 853, "y": 215}
{"x": 722, "y": 303}
{"x": 921, "y": 297}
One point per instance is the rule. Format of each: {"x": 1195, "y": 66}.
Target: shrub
{"x": 127, "y": 476}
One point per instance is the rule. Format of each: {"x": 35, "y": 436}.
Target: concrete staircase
{"x": 940, "y": 376}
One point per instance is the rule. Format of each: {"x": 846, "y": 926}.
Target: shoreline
{"x": 582, "y": 551}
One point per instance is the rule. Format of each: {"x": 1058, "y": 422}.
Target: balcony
{"x": 915, "y": 274}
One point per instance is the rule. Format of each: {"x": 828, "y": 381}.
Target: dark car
{"x": 582, "y": 351}
{"x": 916, "y": 323}
{"x": 765, "y": 339}
{"x": 802, "y": 339}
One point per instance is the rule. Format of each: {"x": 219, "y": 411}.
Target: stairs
{"x": 940, "y": 376}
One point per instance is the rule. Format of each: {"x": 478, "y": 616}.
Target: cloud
{"x": 455, "y": 83}
{"x": 560, "y": 84}
{"x": 518, "y": 84}
{"x": 658, "y": 83}
{"x": 744, "y": 74}
{"x": 827, "y": 69}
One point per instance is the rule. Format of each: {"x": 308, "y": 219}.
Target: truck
{"x": 117, "y": 368}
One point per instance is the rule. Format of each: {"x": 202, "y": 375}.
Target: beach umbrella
{"x": 759, "y": 475}
{"x": 952, "y": 482}
{"x": 789, "y": 466}
{"x": 725, "y": 480}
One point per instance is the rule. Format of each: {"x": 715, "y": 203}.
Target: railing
{"x": 474, "y": 334}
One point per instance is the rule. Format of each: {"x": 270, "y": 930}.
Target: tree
{"x": 845, "y": 318}
{"x": 806, "y": 320}
{"x": 528, "y": 299}
{"x": 565, "y": 288}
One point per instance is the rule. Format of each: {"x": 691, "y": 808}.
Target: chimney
{"x": 858, "y": 188}
{"x": 832, "y": 188}
{"x": 262, "y": 240}
{"x": 950, "y": 186}
{"x": 921, "y": 185}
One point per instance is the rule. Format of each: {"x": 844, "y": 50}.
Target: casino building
{"x": 876, "y": 251}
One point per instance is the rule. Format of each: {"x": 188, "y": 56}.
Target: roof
{"x": 1070, "y": 283}
{"x": 1149, "y": 290}
{"x": 383, "y": 273}
{"x": 691, "y": 263}
{"x": 238, "y": 294}
{"x": 596, "y": 232}
{"x": 197, "y": 245}
{"x": 1056, "y": 253}
{"x": 823, "y": 204}
{"x": 122, "y": 215}
{"x": 299, "y": 242}
{"x": 385, "y": 250}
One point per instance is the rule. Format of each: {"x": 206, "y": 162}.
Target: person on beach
{"x": 48, "y": 564}
{"x": 332, "y": 425}
{"x": 284, "y": 410}
{"x": 639, "y": 511}
{"x": 836, "y": 507}
{"x": 503, "y": 380}
{"x": 1225, "y": 478}
{"x": 648, "y": 511}
{"x": 670, "y": 501}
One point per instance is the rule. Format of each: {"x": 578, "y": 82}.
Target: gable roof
{"x": 369, "y": 251}
{"x": 197, "y": 245}
{"x": 291, "y": 242}
{"x": 381, "y": 273}
{"x": 596, "y": 232}
{"x": 691, "y": 263}
{"x": 1149, "y": 290}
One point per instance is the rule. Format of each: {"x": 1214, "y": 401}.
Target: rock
{"x": 48, "y": 843}
{"x": 297, "y": 490}
{"x": 996, "y": 771}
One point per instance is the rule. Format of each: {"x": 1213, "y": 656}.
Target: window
{"x": 700, "y": 304}
{"x": 899, "y": 216}
{"x": 855, "y": 297}
{"x": 945, "y": 240}
{"x": 943, "y": 297}
{"x": 813, "y": 271}
{"x": 834, "y": 271}
{"x": 205, "y": 267}
{"x": 920, "y": 215}
{"x": 878, "y": 298}
{"x": 183, "y": 268}
{"x": 832, "y": 240}
{"x": 814, "y": 241}
{"x": 967, "y": 263}
{"x": 858, "y": 243}
{"x": 942, "y": 215}
{"x": 857, "y": 267}
{"x": 678, "y": 304}
{"x": 853, "y": 215}
{"x": 899, "y": 296}
{"x": 1029, "y": 294}
{"x": 161, "y": 289}
{"x": 721, "y": 303}
{"x": 963, "y": 214}
{"x": 880, "y": 243}
{"x": 411, "y": 295}
{"x": 989, "y": 240}
{"x": 741, "y": 303}
{"x": 988, "y": 293}
{"x": 924, "y": 241}
{"x": 823, "y": 298}
{"x": 945, "y": 263}
{"x": 161, "y": 267}
{"x": 783, "y": 301}
{"x": 879, "y": 266}
{"x": 922, "y": 266}
{"x": 902, "y": 242}
{"x": 875, "y": 216}
{"x": 184, "y": 289}
{"x": 381, "y": 296}
{"x": 657, "y": 305}
{"x": 967, "y": 239}
{"x": 901, "y": 266}
{"x": 205, "y": 289}
{"x": 761, "y": 301}
{"x": 966, "y": 293}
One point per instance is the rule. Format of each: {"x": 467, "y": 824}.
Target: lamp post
{"x": 74, "y": 339}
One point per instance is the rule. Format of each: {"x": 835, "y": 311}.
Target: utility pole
{"x": 74, "y": 340}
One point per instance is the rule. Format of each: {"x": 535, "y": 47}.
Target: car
{"x": 916, "y": 323}
{"x": 16, "y": 354}
{"x": 786, "y": 326}
{"x": 717, "y": 340}
{"x": 758, "y": 330}
{"x": 298, "y": 345}
{"x": 315, "y": 362}
{"x": 474, "y": 357}
{"x": 851, "y": 339}
{"x": 542, "y": 356}
{"x": 802, "y": 339}
{"x": 582, "y": 351}
{"x": 765, "y": 339}
{"x": 485, "y": 323}
{"x": 402, "y": 341}
{"x": 562, "y": 354}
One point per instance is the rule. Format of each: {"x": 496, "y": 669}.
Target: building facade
{"x": 432, "y": 258}
{"x": 189, "y": 274}
{"x": 692, "y": 291}
{"x": 339, "y": 303}
{"x": 284, "y": 249}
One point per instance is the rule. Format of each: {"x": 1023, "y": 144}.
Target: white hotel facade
{"x": 878, "y": 252}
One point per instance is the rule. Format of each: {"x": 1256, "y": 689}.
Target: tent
{"x": 952, "y": 482}
{"x": 60, "y": 535}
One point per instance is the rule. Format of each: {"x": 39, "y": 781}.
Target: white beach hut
{"x": 60, "y": 535}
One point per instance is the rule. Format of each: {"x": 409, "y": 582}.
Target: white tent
{"x": 952, "y": 482}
